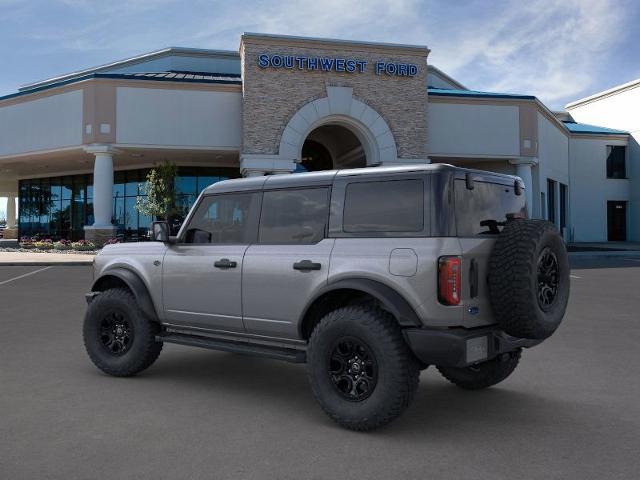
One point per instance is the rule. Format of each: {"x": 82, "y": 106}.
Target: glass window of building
{"x": 60, "y": 207}
{"x": 616, "y": 161}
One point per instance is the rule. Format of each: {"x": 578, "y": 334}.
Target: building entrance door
{"x": 617, "y": 221}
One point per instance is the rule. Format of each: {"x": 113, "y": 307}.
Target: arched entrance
{"x": 337, "y": 130}
{"x": 332, "y": 146}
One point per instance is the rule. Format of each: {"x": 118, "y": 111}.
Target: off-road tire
{"x": 484, "y": 374}
{"x": 143, "y": 350}
{"x": 515, "y": 280}
{"x": 397, "y": 369}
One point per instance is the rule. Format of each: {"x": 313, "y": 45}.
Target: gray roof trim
{"x": 447, "y": 77}
{"x": 133, "y": 61}
{"x": 603, "y": 94}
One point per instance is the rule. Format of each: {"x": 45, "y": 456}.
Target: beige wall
{"x": 272, "y": 96}
{"x": 168, "y": 117}
{"x": 49, "y": 122}
{"x": 461, "y": 129}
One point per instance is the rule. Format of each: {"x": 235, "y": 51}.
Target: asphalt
{"x": 570, "y": 411}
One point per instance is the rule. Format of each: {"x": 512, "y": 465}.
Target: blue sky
{"x": 558, "y": 50}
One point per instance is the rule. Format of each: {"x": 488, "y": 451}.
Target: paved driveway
{"x": 571, "y": 410}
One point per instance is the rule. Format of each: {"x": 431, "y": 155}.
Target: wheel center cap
{"x": 356, "y": 367}
{"x": 118, "y": 331}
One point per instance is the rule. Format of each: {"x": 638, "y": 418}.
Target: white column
{"x": 256, "y": 165}
{"x": 253, "y": 173}
{"x": 523, "y": 170}
{"x": 102, "y": 185}
{"x": 11, "y": 211}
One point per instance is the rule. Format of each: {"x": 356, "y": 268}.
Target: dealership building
{"x": 75, "y": 149}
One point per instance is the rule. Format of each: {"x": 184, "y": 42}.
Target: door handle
{"x": 225, "y": 263}
{"x": 306, "y": 265}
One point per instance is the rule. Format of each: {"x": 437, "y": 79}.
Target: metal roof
{"x": 176, "y": 75}
{"x": 575, "y": 127}
{"x": 187, "y": 77}
{"x": 145, "y": 57}
{"x": 475, "y": 93}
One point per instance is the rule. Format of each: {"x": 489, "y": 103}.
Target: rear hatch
{"x": 483, "y": 203}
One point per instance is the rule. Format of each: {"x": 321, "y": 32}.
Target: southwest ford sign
{"x": 331, "y": 64}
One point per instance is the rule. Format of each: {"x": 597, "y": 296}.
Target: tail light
{"x": 449, "y": 280}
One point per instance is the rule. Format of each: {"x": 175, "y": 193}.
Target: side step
{"x": 256, "y": 350}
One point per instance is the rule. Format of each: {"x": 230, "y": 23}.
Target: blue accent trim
{"x": 575, "y": 127}
{"x": 124, "y": 76}
{"x": 443, "y": 92}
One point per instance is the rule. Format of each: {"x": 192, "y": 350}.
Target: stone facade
{"x": 272, "y": 96}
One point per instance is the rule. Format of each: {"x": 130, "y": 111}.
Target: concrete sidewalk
{"x": 44, "y": 259}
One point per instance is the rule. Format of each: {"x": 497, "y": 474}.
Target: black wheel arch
{"x": 388, "y": 298}
{"x": 118, "y": 277}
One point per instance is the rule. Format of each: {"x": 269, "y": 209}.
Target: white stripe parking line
{"x": 574, "y": 276}
{"x": 25, "y": 275}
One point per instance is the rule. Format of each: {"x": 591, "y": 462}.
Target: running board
{"x": 256, "y": 350}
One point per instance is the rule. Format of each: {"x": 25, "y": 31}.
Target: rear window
{"x": 387, "y": 206}
{"x": 481, "y": 210}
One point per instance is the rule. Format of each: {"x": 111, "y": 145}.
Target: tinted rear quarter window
{"x": 384, "y": 206}
{"x": 486, "y": 202}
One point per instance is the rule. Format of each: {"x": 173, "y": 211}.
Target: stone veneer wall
{"x": 271, "y": 96}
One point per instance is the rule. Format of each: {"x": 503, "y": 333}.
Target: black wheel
{"x": 119, "y": 338}
{"x": 529, "y": 279}
{"x": 484, "y": 374}
{"x": 360, "y": 369}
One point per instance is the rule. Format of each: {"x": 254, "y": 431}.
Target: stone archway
{"x": 340, "y": 109}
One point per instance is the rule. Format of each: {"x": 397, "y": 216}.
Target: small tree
{"x": 160, "y": 199}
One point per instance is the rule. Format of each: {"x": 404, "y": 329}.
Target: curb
{"x": 73, "y": 263}
{"x": 616, "y": 253}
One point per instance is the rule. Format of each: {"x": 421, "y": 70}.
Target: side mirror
{"x": 160, "y": 232}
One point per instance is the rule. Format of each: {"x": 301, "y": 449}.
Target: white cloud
{"x": 554, "y": 49}
{"x": 548, "y": 48}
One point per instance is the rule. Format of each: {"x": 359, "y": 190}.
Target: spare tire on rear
{"x": 529, "y": 279}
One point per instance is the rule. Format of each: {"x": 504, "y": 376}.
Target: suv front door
{"x": 202, "y": 272}
{"x": 289, "y": 262}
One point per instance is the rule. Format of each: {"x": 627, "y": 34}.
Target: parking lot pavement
{"x": 570, "y": 410}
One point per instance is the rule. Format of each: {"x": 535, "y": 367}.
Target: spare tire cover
{"x": 529, "y": 279}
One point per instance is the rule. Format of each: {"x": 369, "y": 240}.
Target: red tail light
{"x": 449, "y": 280}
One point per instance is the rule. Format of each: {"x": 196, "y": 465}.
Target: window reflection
{"x": 60, "y": 207}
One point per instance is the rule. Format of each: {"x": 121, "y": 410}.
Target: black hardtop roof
{"x": 327, "y": 177}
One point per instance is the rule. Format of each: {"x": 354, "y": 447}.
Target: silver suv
{"x": 366, "y": 275}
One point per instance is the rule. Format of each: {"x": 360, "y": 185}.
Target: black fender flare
{"x": 391, "y": 300}
{"x": 135, "y": 284}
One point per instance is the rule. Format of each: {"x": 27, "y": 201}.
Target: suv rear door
{"x": 289, "y": 262}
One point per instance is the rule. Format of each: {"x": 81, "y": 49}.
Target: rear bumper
{"x": 461, "y": 347}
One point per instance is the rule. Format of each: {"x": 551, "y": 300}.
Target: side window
{"x": 225, "y": 218}
{"x": 384, "y": 206}
{"x": 295, "y": 216}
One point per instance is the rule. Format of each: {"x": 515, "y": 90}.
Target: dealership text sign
{"x": 330, "y": 64}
